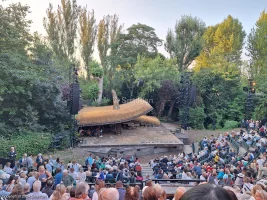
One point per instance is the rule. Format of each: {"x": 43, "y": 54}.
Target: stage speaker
{"x": 74, "y": 98}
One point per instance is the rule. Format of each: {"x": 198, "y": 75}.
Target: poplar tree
{"x": 88, "y": 30}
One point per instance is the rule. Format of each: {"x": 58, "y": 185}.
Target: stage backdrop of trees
{"x": 35, "y": 69}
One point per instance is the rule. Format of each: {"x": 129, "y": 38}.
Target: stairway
{"x": 146, "y": 169}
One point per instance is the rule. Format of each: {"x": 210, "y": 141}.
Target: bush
{"x": 230, "y": 124}
{"x": 27, "y": 142}
{"x": 196, "y": 117}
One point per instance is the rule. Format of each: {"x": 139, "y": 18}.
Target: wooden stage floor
{"x": 141, "y": 136}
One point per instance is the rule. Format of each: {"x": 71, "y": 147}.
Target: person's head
{"x": 59, "y": 192}
{"x": 58, "y": 170}
{"x": 99, "y": 184}
{"x": 207, "y": 192}
{"x": 159, "y": 190}
{"x": 260, "y": 195}
{"x": 41, "y": 169}
{"x": 17, "y": 190}
{"x": 72, "y": 191}
{"x": 71, "y": 170}
{"x": 81, "y": 190}
{"x": 149, "y": 183}
{"x": 37, "y": 186}
{"x": 255, "y": 188}
{"x": 108, "y": 193}
{"x": 65, "y": 172}
{"x": 26, "y": 188}
{"x": 131, "y": 193}
{"x": 12, "y": 148}
{"x": 8, "y": 164}
{"x": 149, "y": 193}
{"x": 81, "y": 170}
{"x": 179, "y": 192}
{"x": 49, "y": 183}
{"x": 11, "y": 179}
{"x": 119, "y": 184}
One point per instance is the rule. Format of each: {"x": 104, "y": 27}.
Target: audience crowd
{"x": 219, "y": 170}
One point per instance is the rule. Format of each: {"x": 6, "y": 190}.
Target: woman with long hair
{"x": 10, "y": 183}
{"x": 17, "y": 193}
{"x": 60, "y": 193}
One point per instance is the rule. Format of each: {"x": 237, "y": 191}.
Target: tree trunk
{"x": 100, "y": 92}
{"x": 161, "y": 107}
{"x": 171, "y": 108}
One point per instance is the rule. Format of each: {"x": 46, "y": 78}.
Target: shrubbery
{"x": 230, "y": 124}
{"x": 27, "y": 142}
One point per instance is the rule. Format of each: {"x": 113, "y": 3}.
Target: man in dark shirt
{"x": 48, "y": 188}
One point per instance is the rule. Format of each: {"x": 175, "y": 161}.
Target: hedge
{"x": 27, "y": 142}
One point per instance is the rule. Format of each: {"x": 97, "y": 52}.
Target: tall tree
{"x": 108, "y": 30}
{"x": 185, "y": 42}
{"x": 222, "y": 47}
{"x": 140, "y": 39}
{"x": 88, "y": 31}
{"x": 257, "y": 50}
{"x": 61, "y": 27}
{"x": 14, "y": 29}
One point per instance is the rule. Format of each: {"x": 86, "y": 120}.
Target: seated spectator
{"x": 48, "y": 188}
{"x": 3, "y": 192}
{"x": 17, "y": 193}
{"x": 139, "y": 176}
{"x": 27, "y": 189}
{"x": 32, "y": 178}
{"x": 81, "y": 175}
{"x": 37, "y": 194}
{"x": 98, "y": 186}
{"x": 58, "y": 176}
{"x": 179, "y": 192}
{"x": 67, "y": 179}
{"x": 60, "y": 193}
{"x": 207, "y": 192}
{"x": 81, "y": 191}
{"x": 108, "y": 194}
{"x": 121, "y": 190}
{"x": 8, "y": 169}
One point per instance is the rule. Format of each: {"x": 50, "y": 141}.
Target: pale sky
{"x": 159, "y": 14}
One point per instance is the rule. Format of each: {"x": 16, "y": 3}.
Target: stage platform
{"x": 139, "y": 141}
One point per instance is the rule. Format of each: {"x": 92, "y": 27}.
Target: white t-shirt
{"x": 95, "y": 196}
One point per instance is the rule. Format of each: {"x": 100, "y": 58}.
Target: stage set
{"x": 125, "y": 130}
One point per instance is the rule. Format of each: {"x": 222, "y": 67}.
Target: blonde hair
{"x": 59, "y": 192}
{"x": 179, "y": 192}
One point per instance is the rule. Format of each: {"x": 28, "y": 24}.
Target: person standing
{"x": 12, "y": 156}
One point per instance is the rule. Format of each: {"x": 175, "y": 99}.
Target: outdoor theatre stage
{"x": 134, "y": 132}
{"x": 139, "y": 141}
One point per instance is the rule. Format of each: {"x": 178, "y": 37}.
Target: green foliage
{"x": 261, "y": 109}
{"x": 154, "y": 71}
{"x": 105, "y": 102}
{"x": 185, "y": 42}
{"x": 89, "y": 89}
{"x": 197, "y": 117}
{"x": 25, "y": 142}
{"x": 230, "y": 124}
{"x": 97, "y": 72}
{"x": 222, "y": 47}
{"x": 257, "y": 48}
{"x": 14, "y": 29}
{"x": 223, "y": 98}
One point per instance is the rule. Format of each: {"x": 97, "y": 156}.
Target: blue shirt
{"x": 4, "y": 193}
{"x": 58, "y": 178}
{"x": 197, "y": 169}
